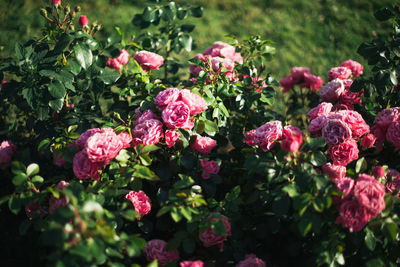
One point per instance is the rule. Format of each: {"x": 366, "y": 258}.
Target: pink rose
{"x": 140, "y": 201}
{"x": 142, "y": 117}
{"x": 126, "y": 139}
{"x": 355, "y": 121}
{"x": 287, "y": 83}
{"x": 268, "y": 134}
{"x": 221, "y": 49}
{"x": 251, "y": 260}
{"x": 335, "y": 132}
{"x": 55, "y": 3}
{"x": 83, "y": 21}
{"x": 292, "y": 138}
{"x": 148, "y": 60}
{"x": 156, "y": 250}
{"x": 195, "y": 102}
{"x": 113, "y": 63}
{"x": 387, "y": 116}
{"x": 368, "y": 140}
{"x": 167, "y": 96}
{"x": 322, "y": 109}
{"x": 378, "y": 171}
{"x": 394, "y": 187}
{"x": 171, "y": 137}
{"x": 7, "y": 149}
{"x": 355, "y": 67}
{"x": 351, "y": 98}
{"x": 341, "y": 106}
{"x": 249, "y": 137}
{"x": 379, "y": 134}
{"x": 347, "y": 84}
{"x": 352, "y": 215}
{"x": 313, "y": 82}
{"x": 209, "y": 167}
{"x": 209, "y": 238}
{"x": 58, "y": 158}
{"x": 344, "y": 153}
{"x": 345, "y": 185}
{"x": 331, "y": 91}
{"x": 203, "y": 144}
{"x": 191, "y": 264}
{"x": 148, "y": 132}
{"x": 84, "y": 168}
{"x": 226, "y": 64}
{"x": 177, "y": 115}
{"x": 393, "y": 134}
{"x": 339, "y": 73}
{"x": 123, "y": 57}
{"x": 56, "y": 203}
{"x": 81, "y": 141}
{"x": 317, "y": 124}
{"x": 195, "y": 70}
{"x": 298, "y": 73}
{"x": 103, "y": 146}
{"x": 370, "y": 194}
{"x": 334, "y": 171}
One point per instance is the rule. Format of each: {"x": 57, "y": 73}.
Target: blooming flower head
{"x": 331, "y": 91}
{"x": 177, "y": 115}
{"x": 393, "y": 134}
{"x": 334, "y": 171}
{"x": 191, "y": 264}
{"x": 156, "y": 250}
{"x": 209, "y": 238}
{"x": 322, "y": 109}
{"x": 287, "y": 83}
{"x": 103, "y": 146}
{"x": 148, "y": 132}
{"x": 148, "y": 60}
{"x": 203, "y": 144}
{"x": 370, "y": 194}
{"x": 268, "y": 134}
{"x": 298, "y": 73}
{"x": 352, "y": 215}
{"x": 251, "y": 260}
{"x": 341, "y": 73}
{"x": 355, "y": 67}
{"x": 292, "y": 138}
{"x": 313, "y": 82}
{"x": 126, "y": 139}
{"x": 336, "y": 132}
{"x": 196, "y": 103}
{"x": 167, "y": 96}
{"x": 83, "y": 21}
{"x": 171, "y": 136}
{"x": 84, "y": 168}
{"x": 344, "y": 153}
{"x": 140, "y": 201}
{"x": 209, "y": 167}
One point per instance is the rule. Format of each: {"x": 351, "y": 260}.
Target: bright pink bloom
{"x": 287, "y": 83}
{"x": 177, "y": 115}
{"x": 55, "y": 2}
{"x": 249, "y": 137}
{"x": 148, "y": 60}
{"x": 371, "y": 194}
{"x": 156, "y": 250}
{"x": 368, "y": 140}
{"x": 209, "y": 238}
{"x": 352, "y": 215}
{"x": 355, "y": 67}
{"x": 387, "y": 116}
{"x": 355, "y": 121}
{"x": 393, "y": 134}
{"x": 313, "y": 82}
{"x": 167, "y": 96}
{"x": 209, "y": 167}
{"x": 81, "y": 141}
{"x": 123, "y": 57}
{"x": 148, "y": 132}
{"x": 140, "y": 201}
{"x": 378, "y": 171}
{"x": 298, "y": 73}
{"x": 292, "y": 138}
{"x": 191, "y": 264}
{"x": 379, "y": 134}
{"x": 251, "y": 260}
{"x": 341, "y": 73}
{"x": 126, "y": 139}
{"x": 171, "y": 136}
{"x": 267, "y": 135}
{"x": 83, "y": 21}
{"x": 195, "y": 102}
{"x": 7, "y": 149}
{"x": 113, "y": 63}
{"x": 56, "y": 203}
{"x": 334, "y": 171}
{"x": 84, "y": 168}
{"x": 103, "y": 146}
{"x": 344, "y": 153}
{"x": 331, "y": 91}
{"x": 322, "y": 109}
{"x": 336, "y": 132}
{"x": 203, "y": 144}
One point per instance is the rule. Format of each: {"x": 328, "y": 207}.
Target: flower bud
{"x": 77, "y": 8}
{"x": 83, "y": 21}
{"x": 55, "y": 3}
{"x": 43, "y": 12}
{"x": 67, "y": 9}
{"x": 73, "y": 14}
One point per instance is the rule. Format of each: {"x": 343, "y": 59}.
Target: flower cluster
{"x": 148, "y": 60}
{"x": 140, "y": 201}
{"x": 209, "y": 238}
{"x": 146, "y": 128}
{"x": 387, "y": 126}
{"x": 156, "y": 250}
{"x": 118, "y": 62}
{"x": 302, "y": 76}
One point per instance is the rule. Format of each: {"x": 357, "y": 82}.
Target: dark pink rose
{"x": 379, "y": 134}
{"x": 209, "y": 167}
{"x": 156, "y": 250}
{"x": 195, "y": 102}
{"x": 194, "y": 70}
{"x": 355, "y": 121}
{"x": 353, "y": 215}
{"x": 339, "y": 73}
{"x": 148, "y": 132}
{"x": 81, "y": 141}
{"x": 56, "y": 203}
{"x": 393, "y": 187}
{"x": 351, "y": 98}
{"x": 103, "y": 146}
{"x": 287, "y": 83}
{"x": 209, "y": 238}
{"x": 370, "y": 194}
{"x": 83, "y": 21}
{"x": 355, "y": 67}
{"x": 140, "y": 201}
{"x": 171, "y": 136}
{"x": 7, "y": 149}
{"x": 176, "y": 115}
{"x": 251, "y": 260}
{"x": 316, "y": 125}
{"x": 167, "y": 96}
{"x": 267, "y": 135}
{"x": 298, "y": 73}
{"x": 58, "y": 158}
{"x": 142, "y": 117}
{"x": 203, "y": 144}
{"x": 292, "y": 138}
{"x": 113, "y": 63}
{"x": 344, "y": 153}
{"x": 148, "y": 60}
{"x": 313, "y": 82}
{"x": 393, "y": 134}
{"x": 378, "y": 171}
{"x": 322, "y": 109}
{"x": 334, "y": 171}
{"x": 345, "y": 185}
{"x": 347, "y": 84}
{"x": 335, "y": 131}
{"x": 126, "y": 139}
{"x": 387, "y": 116}
{"x": 191, "y": 264}
{"x": 249, "y": 137}
{"x": 84, "y": 168}
{"x": 331, "y": 91}
{"x": 368, "y": 140}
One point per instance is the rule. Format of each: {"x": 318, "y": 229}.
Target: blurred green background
{"x": 319, "y": 34}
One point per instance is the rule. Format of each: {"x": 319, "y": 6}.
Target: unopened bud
{"x": 77, "y": 8}
{"x": 56, "y": 3}
{"x": 99, "y": 27}
{"x": 73, "y": 13}
{"x": 43, "y": 12}
{"x": 67, "y": 9}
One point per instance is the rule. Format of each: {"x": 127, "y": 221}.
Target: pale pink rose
{"x": 113, "y": 63}
{"x": 287, "y": 83}
{"x": 196, "y": 103}
{"x": 393, "y": 134}
{"x": 322, "y": 109}
{"x": 292, "y": 138}
{"x": 148, "y": 60}
{"x": 148, "y": 132}
{"x": 123, "y": 57}
{"x": 191, "y": 264}
{"x": 313, "y": 82}
{"x": 209, "y": 167}
{"x": 251, "y": 260}
{"x": 56, "y": 203}
{"x": 335, "y": 132}
{"x": 84, "y": 168}
{"x": 353, "y": 216}
{"x": 378, "y": 171}
{"x": 156, "y": 250}
{"x": 126, "y": 139}
{"x": 331, "y": 91}
{"x": 379, "y": 134}
{"x": 81, "y": 141}
{"x": 103, "y": 146}
{"x": 347, "y": 84}
{"x": 371, "y": 194}
{"x": 249, "y": 137}
{"x": 203, "y": 144}
{"x": 334, "y": 171}
{"x": 167, "y": 96}
{"x": 387, "y": 116}
{"x": 221, "y": 49}
{"x": 176, "y": 115}
{"x": 368, "y": 140}
{"x": 339, "y": 73}
{"x": 140, "y": 201}
{"x": 171, "y": 137}
{"x": 194, "y": 70}
{"x": 355, "y": 67}
{"x": 351, "y": 98}
{"x": 356, "y": 123}
{"x": 267, "y": 135}
{"x": 7, "y": 149}
{"x": 58, "y": 158}
{"x": 210, "y": 239}
{"x": 142, "y": 117}
{"x": 83, "y": 21}
{"x": 343, "y": 153}
{"x": 316, "y": 125}
{"x": 218, "y": 63}
{"x": 298, "y": 73}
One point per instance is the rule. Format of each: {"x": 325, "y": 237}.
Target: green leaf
{"x": 223, "y": 109}
{"x": 318, "y": 158}
{"x": 390, "y": 229}
{"x": 19, "y": 179}
{"x": 163, "y": 210}
{"x": 62, "y": 43}
{"x": 304, "y": 226}
{"x": 316, "y": 143}
{"x": 108, "y": 76}
{"x": 393, "y": 77}
{"x": 383, "y": 14}
{"x": 196, "y": 12}
{"x": 189, "y": 245}
{"x": 145, "y": 173}
{"x": 218, "y": 228}
{"x": 32, "y": 169}
{"x": 149, "y": 148}
{"x": 44, "y": 144}
{"x": 292, "y": 190}
{"x": 37, "y": 179}
{"x": 370, "y": 240}
{"x": 17, "y": 167}
{"x": 186, "y": 41}
{"x": 56, "y": 104}
{"x": 83, "y": 55}
{"x": 187, "y": 27}
{"x": 14, "y": 204}
{"x": 168, "y": 14}
{"x": 210, "y": 127}
{"x": 361, "y": 165}
{"x": 148, "y": 14}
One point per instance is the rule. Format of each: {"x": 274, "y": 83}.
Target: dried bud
{"x": 43, "y": 12}
{"x": 77, "y": 8}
